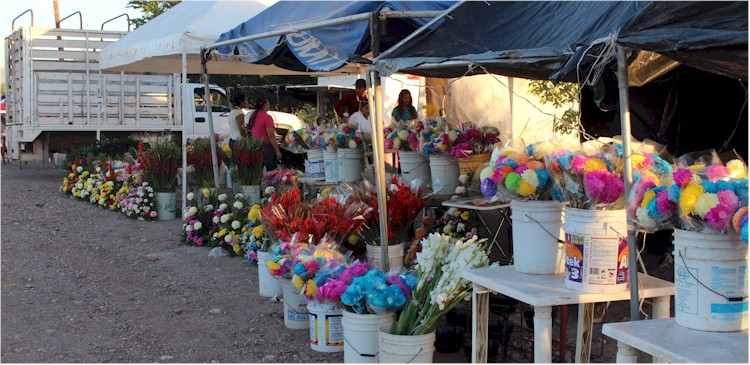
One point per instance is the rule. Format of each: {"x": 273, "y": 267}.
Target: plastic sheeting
{"x": 321, "y": 49}
{"x": 543, "y": 40}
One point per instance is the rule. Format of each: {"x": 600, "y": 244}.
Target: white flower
{"x": 188, "y": 228}
{"x": 197, "y": 225}
{"x": 237, "y": 204}
{"x": 223, "y": 206}
{"x": 79, "y": 169}
{"x": 447, "y": 229}
{"x": 215, "y": 219}
{"x": 209, "y": 207}
{"x": 464, "y": 179}
{"x": 110, "y": 183}
{"x": 270, "y": 190}
{"x": 452, "y": 211}
{"x": 460, "y": 227}
{"x": 190, "y": 196}
{"x": 225, "y": 218}
{"x": 238, "y": 196}
{"x": 228, "y": 238}
{"x": 460, "y": 190}
{"x": 222, "y": 197}
{"x": 151, "y": 195}
{"x": 192, "y": 210}
{"x": 236, "y": 224}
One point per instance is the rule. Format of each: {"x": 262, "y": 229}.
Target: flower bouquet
{"x": 312, "y": 269}
{"x": 648, "y": 201}
{"x": 281, "y": 179}
{"x": 281, "y": 265}
{"x": 710, "y": 198}
{"x": 439, "y": 284}
{"x": 475, "y": 141}
{"x": 519, "y": 173}
{"x": 253, "y": 236}
{"x": 248, "y": 161}
{"x": 159, "y": 163}
{"x": 199, "y": 156}
{"x": 198, "y": 220}
{"x": 228, "y": 221}
{"x": 588, "y": 181}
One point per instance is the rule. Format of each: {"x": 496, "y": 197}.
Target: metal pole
{"x": 378, "y": 151}
{"x": 183, "y": 92}
{"x": 622, "y": 85}
{"x": 207, "y": 98}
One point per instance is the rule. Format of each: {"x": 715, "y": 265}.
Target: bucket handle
{"x": 731, "y": 299}
{"x": 414, "y": 169}
{"x": 545, "y": 229}
{"x": 359, "y": 353}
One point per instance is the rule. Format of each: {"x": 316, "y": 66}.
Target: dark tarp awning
{"x": 537, "y": 39}
{"x": 321, "y": 49}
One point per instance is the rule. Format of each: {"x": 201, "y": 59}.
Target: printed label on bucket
{"x": 296, "y": 315}
{"x": 728, "y": 281}
{"x": 334, "y": 331}
{"x": 596, "y": 260}
{"x": 313, "y": 328}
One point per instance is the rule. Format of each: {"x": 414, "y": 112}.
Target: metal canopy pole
{"x": 622, "y": 85}
{"x": 183, "y": 92}
{"x": 378, "y": 151}
{"x": 207, "y": 99}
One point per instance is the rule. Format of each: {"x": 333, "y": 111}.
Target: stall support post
{"x": 378, "y": 151}
{"x": 622, "y": 85}
{"x": 183, "y": 90}
{"x": 207, "y": 99}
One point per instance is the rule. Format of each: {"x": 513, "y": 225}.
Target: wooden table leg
{"x": 563, "y": 331}
{"x": 626, "y": 354}
{"x": 583, "y": 334}
{"x": 480, "y": 307}
{"x": 543, "y": 334}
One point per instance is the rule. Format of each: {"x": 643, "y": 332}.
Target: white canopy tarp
{"x": 157, "y": 46}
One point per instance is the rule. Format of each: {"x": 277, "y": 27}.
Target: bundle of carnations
{"x": 248, "y": 161}
{"x": 518, "y": 173}
{"x": 198, "y": 219}
{"x": 281, "y": 179}
{"x": 711, "y": 198}
{"x": 439, "y": 285}
{"x": 228, "y": 222}
{"x": 281, "y": 265}
{"x": 588, "y": 181}
{"x": 648, "y": 201}
{"x": 475, "y": 141}
{"x": 287, "y": 214}
{"x": 439, "y": 141}
{"x": 312, "y": 269}
{"x": 199, "y": 156}
{"x": 253, "y": 236}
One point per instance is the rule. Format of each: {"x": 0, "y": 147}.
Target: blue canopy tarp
{"x": 321, "y": 49}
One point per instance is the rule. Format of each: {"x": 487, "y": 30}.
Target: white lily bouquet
{"x": 439, "y": 283}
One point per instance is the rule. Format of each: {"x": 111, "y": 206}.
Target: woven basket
{"x": 470, "y": 164}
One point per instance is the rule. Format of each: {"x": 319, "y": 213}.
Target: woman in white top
{"x": 237, "y": 118}
{"x": 362, "y": 120}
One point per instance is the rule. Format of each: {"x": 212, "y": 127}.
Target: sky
{"x": 93, "y": 12}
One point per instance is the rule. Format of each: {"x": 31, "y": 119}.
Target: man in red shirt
{"x": 351, "y": 102}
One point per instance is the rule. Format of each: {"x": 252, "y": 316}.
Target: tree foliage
{"x": 562, "y": 95}
{"x": 151, "y": 9}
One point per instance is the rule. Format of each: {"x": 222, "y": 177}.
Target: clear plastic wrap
{"x": 648, "y": 201}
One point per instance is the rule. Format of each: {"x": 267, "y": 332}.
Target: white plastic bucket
{"x": 331, "y": 166}
{"x": 402, "y": 349}
{"x": 315, "y": 167}
{"x": 444, "y": 174}
{"x": 296, "y": 316}
{"x": 596, "y": 250}
{"x": 718, "y": 261}
{"x": 166, "y": 206}
{"x": 251, "y": 192}
{"x": 326, "y": 331}
{"x": 414, "y": 166}
{"x": 395, "y": 256}
{"x": 361, "y": 336}
{"x": 351, "y": 164}
{"x": 268, "y": 286}
{"x": 536, "y": 229}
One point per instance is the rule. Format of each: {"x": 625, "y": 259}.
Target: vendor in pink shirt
{"x": 261, "y": 126}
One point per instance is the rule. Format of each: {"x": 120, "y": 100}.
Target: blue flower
{"x": 652, "y": 209}
{"x": 543, "y": 176}
{"x": 660, "y": 166}
{"x": 353, "y": 295}
{"x": 300, "y": 270}
{"x": 740, "y": 188}
{"x": 658, "y": 189}
{"x": 391, "y": 297}
{"x": 709, "y": 187}
{"x": 674, "y": 193}
{"x": 724, "y": 185}
{"x": 409, "y": 280}
{"x": 564, "y": 161}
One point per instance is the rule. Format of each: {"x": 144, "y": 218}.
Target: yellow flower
{"x": 206, "y": 193}
{"x": 689, "y": 197}
{"x": 430, "y": 109}
{"x": 298, "y": 282}
{"x": 253, "y": 214}
{"x": 273, "y": 265}
{"x": 637, "y": 159}
{"x": 312, "y": 288}
{"x": 258, "y": 231}
{"x": 71, "y": 175}
{"x": 227, "y": 150}
{"x": 594, "y": 164}
{"x": 222, "y": 232}
{"x": 465, "y": 215}
{"x": 325, "y": 192}
{"x": 525, "y": 189}
{"x": 647, "y": 198}
{"x": 236, "y": 248}
{"x": 704, "y": 203}
{"x": 353, "y": 240}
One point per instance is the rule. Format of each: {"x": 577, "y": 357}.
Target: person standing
{"x": 261, "y": 126}
{"x": 404, "y": 111}
{"x": 351, "y": 101}
{"x": 362, "y": 120}
{"x": 237, "y": 119}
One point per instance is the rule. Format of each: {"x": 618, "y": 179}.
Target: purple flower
{"x": 603, "y": 187}
{"x": 473, "y": 135}
{"x": 664, "y": 205}
{"x": 718, "y": 217}
{"x": 682, "y": 177}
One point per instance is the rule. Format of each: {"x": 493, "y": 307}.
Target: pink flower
{"x": 311, "y": 267}
{"x": 519, "y": 170}
{"x": 332, "y": 290}
{"x": 577, "y": 163}
{"x": 492, "y": 139}
{"x": 473, "y": 135}
{"x": 602, "y": 187}
{"x": 682, "y": 177}
{"x": 354, "y": 271}
{"x": 715, "y": 172}
{"x": 663, "y": 204}
{"x": 394, "y": 279}
{"x": 718, "y": 217}
{"x": 729, "y": 200}
{"x": 461, "y": 150}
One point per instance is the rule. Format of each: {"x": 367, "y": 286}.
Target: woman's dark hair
{"x": 257, "y": 107}
{"x": 403, "y": 107}
{"x": 238, "y": 97}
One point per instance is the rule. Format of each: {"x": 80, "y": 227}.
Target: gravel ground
{"x": 81, "y": 284}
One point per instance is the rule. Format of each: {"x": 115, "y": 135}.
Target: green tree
{"x": 564, "y": 94}
{"x": 151, "y": 9}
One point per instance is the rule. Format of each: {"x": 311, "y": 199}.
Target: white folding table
{"x": 543, "y": 292}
